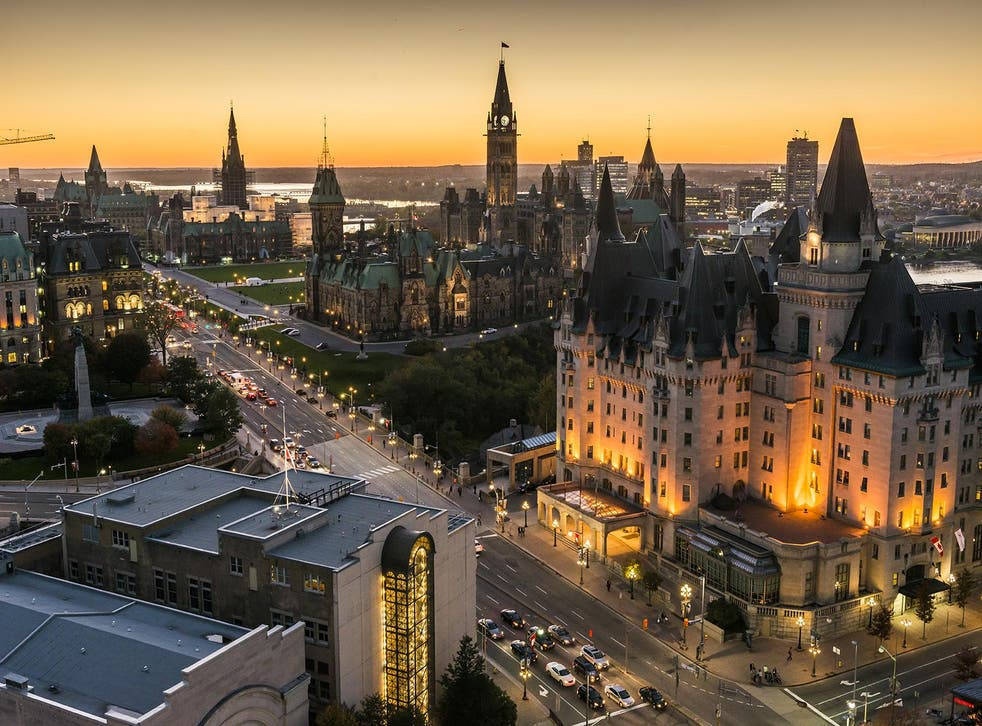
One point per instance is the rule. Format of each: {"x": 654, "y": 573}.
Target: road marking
{"x": 539, "y": 605}
{"x": 618, "y": 642}
{"x": 481, "y": 564}
{"x": 582, "y": 636}
{"x": 560, "y": 621}
{"x": 511, "y": 568}
{"x": 502, "y": 579}
{"x": 492, "y": 599}
{"x": 520, "y": 592}
{"x": 576, "y": 614}
{"x": 541, "y": 590}
{"x": 886, "y": 696}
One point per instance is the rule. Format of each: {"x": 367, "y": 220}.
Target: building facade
{"x": 947, "y": 231}
{"x": 232, "y": 178}
{"x": 385, "y": 590}
{"x": 20, "y": 322}
{"x": 801, "y": 172}
{"x": 502, "y": 161}
{"x": 682, "y": 394}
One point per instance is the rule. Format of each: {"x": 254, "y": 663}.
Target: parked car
{"x": 478, "y": 547}
{"x": 293, "y": 332}
{"x": 331, "y": 413}
{"x": 591, "y": 695}
{"x": 489, "y": 331}
{"x": 619, "y": 695}
{"x": 523, "y": 651}
{"x": 596, "y": 656}
{"x": 320, "y": 346}
{"x": 561, "y": 635}
{"x": 312, "y": 400}
{"x": 649, "y": 694}
{"x": 589, "y": 671}
{"x": 301, "y": 392}
{"x": 560, "y": 674}
{"x": 490, "y": 629}
{"x": 512, "y": 618}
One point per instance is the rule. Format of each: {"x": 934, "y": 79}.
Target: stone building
{"x": 20, "y": 323}
{"x": 232, "y": 177}
{"x": 366, "y": 575}
{"x": 763, "y": 385}
{"x": 75, "y": 656}
{"x": 91, "y": 277}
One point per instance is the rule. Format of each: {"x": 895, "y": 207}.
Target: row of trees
{"x": 469, "y": 697}
{"x": 216, "y": 406}
{"x": 881, "y": 620}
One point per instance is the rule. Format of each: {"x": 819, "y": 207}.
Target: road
{"x": 38, "y": 504}
{"x": 508, "y": 578}
{"x": 924, "y": 677}
{"x": 310, "y": 334}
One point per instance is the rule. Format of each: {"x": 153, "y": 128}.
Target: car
{"x": 596, "y": 656}
{"x": 478, "y": 547}
{"x": 490, "y": 629}
{"x": 543, "y": 640}
{"x": 312, "y": 400}
{"x": 299, "y": 464}
{"x": 186, "y": 345}
{"x": 560, "y": 673}
{"x": 171, "y": 340}
{"x": 619, "y": 695}
{"x": 320, "y": 346}
{"x": 301, "y": 452}
{"x": 271, "y": 402}
{"x": 331, "y": 413}
{"x": 276, "y": 445}
{"x": 561, "y": 635}
{"x": 523, "y": 651}
{"x": 301, "y": 392}
{"x": 589, "y": 671}
{"x": 250, "y": 395}
{"x": 489, "y": 331}
{"x": 289, "y": 442}
{"x": 262, "y": 392}
{"x": 292, "y": 332}
{"x": 649, "y": 694}
{"x": 313, "y": 463}
{"x": 512, "y": 618}
{"x": 585, "y": 692}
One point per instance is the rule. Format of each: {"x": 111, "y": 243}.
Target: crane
{"x": 18, "y": 139}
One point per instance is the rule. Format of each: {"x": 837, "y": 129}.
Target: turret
{"x": 677, "y": 201}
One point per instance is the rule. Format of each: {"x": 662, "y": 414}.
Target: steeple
{"x": 502, "y": 101}
{"x": 231, "y": 121}
{"x": 94, "y": 165}
{"x": 233, "y": 136}
{"x": 608, "y": 228}
{"x": 844, "y": 205}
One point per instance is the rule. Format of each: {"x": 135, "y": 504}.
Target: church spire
{"x": 502, "y": 100}
{"x": 94, "y": 164}
{"x": 232, "y": 133}
{"x": 608, "y": 228}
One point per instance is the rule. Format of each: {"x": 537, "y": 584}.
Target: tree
{"x": 221, "y": 415}
{"x": 964, "y": 585}
{"x": 410, "y": 716}
{"x": 542, "y": 404}
{"x": 183, "y": 377}
{"x": 882, "y": 623}
{"x": 99, "y": 436}
{"x": 57, "y": 438}
{"x": 372, "y": 711}
{"x": 469, "y": 695}
{"x": 158, "y": 321}
{"x": 171, "y": 416}
{"x": 153, "y": 373}
{"x": 966, "y": 661}
{"x": 651, "y": 581}
{"x": 155, "y": 437}
{"x": 336, "y": 714}
{"x": 924, "y": 606}
{"x": 127, "y": 355}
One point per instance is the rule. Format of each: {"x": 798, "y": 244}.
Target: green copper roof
{"x": 12, "y": 249}
{"x": 326, "y": 190}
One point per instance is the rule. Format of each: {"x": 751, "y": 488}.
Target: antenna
{"x": 649, "y": 127}
{"x": 286, "y": 490}
{"x": 325, "y": 161}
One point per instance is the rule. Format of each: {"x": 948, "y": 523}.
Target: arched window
{"x": 105, "y": 304}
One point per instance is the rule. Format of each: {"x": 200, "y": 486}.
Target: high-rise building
{"x": 702, "y": 202}
{"x": 779, "y": 183}
{"x": 802, "y": 171}
{"x": 619, "y": 180}
{"x": 751, "y": 192}
{"x": 233, "y": 176}
{"x": 584, "y": 152}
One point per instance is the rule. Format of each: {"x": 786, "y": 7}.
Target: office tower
{"x": 802, "y": 171}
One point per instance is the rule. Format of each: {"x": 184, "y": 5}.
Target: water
{"x": 296, "y": 191}
{"x": 946, "y": 273}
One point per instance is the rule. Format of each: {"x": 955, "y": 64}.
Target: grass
{"x": 265, "y": 270}
{"x": 343, "y": 369}
{"x": 27, "y": 467}
{"x": 276, "y": 294}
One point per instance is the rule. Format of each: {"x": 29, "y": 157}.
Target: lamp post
{"x": 893, "y": 682}
{"x": 801, "y": 623}
{"x": 814, "y": 650}
{"x": 555, "y": 531}
{"x": 581, "y": 562}
{"x": 686, "y": 593}
{"x": 586, "y": 550}
{"x": 499, "y": 505}
{"x": 906, "y": 623}
{"x": 632, "y": 573}
{"x": 852, "y": 711}
{"x": 74, "y": 443}
{"x": 525, "y": 511}
{"x": 702, "y": 606}
{"x": 870, "y": 601}
{"x": 855, "y": 669}
{"x": 524, "y": 674}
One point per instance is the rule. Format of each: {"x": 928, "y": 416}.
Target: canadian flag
{"x": 936, "y": 543}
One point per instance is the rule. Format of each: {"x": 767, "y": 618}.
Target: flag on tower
{"x": 936, "y": 542}
{"x": 505, "y": 45}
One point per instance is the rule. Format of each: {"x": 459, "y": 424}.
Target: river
{"x": 946, "y": 273}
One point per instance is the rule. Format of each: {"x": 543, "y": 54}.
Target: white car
{"x": 478, "y": 547}
{"x": 619, "y": 695}
{"x": 596, "y": 656}
{"x": 560, "y": 674}
{"x": 489, "y": 331}
{"x": 290, "y": 331}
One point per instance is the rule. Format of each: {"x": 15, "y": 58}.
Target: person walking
{"x": 789, "y": 655}
{"x": 608, "y": 584}
{"x": 752, "y": 669}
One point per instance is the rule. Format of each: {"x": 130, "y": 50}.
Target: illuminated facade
{"x": 20, "y": 326}
{"x": 820, "y": 393}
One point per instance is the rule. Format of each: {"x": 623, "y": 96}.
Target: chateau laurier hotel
{"x": 803, "y": 430}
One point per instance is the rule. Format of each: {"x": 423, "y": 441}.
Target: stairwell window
{"x": 278, "y": 575}
{"x": 121, "y": 539}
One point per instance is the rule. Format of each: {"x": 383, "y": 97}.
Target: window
{"x": 159, "y": 587}
{"x": 875, "y": 553}
{"x": 126, "y": 583}
{"x": 73, "y": 569}
{"x": 121, "y": 539}
{"x": 686, "y": 492}
{"x": 172, "y": 588}
{"x": 314, "y": 583}
{"x": 235, "y": 565}
{"x": 278, "y": 575}
{"x": 93, "y": 575}
{"x": 90, "y": 533}
{"x": 802, "y": 342}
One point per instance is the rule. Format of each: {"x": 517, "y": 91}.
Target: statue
{"x": 82, "y": 390}
{"x": 362, "y": 355}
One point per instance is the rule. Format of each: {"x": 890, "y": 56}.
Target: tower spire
{"x": 326, "y": 161}
{"x": 231, "y": 121}
{"x": 649, "y": 127}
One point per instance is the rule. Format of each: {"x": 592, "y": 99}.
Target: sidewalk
{"x": 530, "y": 712}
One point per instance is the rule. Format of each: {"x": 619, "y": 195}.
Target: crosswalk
{"x": 378, "y": 472}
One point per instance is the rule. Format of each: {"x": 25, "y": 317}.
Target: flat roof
{"x": 150, "y": 500}
{"x": 791, "y": 527}
{"x": 271, "y": 520}
{"x": 200, "y": 530}
{"x": 91, "y": 650}
{"x": 350, "y": 522}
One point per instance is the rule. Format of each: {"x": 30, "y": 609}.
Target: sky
{"x": 410, "y": 84}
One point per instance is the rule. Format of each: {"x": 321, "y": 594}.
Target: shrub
{"x": 155, "y": 437}
{"x": 421, "y": 346}
{"x": 170, "y": 416}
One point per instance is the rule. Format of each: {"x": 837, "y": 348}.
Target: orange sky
{"x": 410, "y": 84}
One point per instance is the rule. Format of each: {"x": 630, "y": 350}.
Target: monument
{"x": 82, "y": 378}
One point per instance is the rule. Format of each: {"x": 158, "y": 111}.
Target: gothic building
{"x": 232, "y": 177}
{"x": 502, "y": 161}
{"x": 720, "y": 411}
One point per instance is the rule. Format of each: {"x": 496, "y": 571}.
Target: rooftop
{"x": 946, "y": 220}
{"x": 113, "y": 651}
{"x": 790, "y": 527}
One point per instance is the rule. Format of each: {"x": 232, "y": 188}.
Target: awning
{"x": 934, "y": 586}
{"x": 968, "y": 694}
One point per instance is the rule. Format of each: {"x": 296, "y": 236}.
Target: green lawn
{"x": 265, "y": 270}
{"x": 28, "y": 467}
{"x": 343, "y": 369}
{"x": 275, "y": 294}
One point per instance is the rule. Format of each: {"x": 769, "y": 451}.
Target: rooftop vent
{"x": 16, "y": 680}
{"x": 120, "y": 498}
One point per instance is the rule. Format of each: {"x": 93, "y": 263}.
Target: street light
{"x": 906, "y": 623}
{"x": 814, "y": 650}
{"x": 893, "y": 682}
{"x": 581, "y": 561}
{"x": 500, "y": 507}
{"x": 555, "y": 531}
{"x": 74, "y": 443}
{"x": 801, "y": 623}
{"x": 586, "y": 551}
{"x": 686, "y": 592}
{"x": 525, "y": 511}
{"x": 633, "y": 572}
{"x": 870, "y": 601}
{"x": 524, "y": 674}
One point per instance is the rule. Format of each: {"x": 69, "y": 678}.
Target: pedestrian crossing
{"x": 378, "y": 472}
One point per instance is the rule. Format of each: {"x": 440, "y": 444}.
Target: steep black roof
{"x": 665, "y": 245}
{"x": 608, "y": 228}
{"x": 786, "y": 246}
{"x": 502, "y": 100}
{"x": 845, "y": 196}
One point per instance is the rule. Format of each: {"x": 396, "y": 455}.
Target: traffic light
{"x": 590, "y": 633}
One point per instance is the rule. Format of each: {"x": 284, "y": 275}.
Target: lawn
{"x": 264, "y": 270}
{"x": 275, "y": 294}
{"x": 343, "y": 369}
{"x": 28, "y": 467}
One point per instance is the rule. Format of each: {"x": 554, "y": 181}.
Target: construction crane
{"x": 18, "y": 139}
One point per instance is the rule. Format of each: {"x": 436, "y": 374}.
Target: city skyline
{"x": 410, "y": 87}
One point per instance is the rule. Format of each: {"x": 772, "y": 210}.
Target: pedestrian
{"x": 752, "y": 669}
{"x": 460, "y": 492}
{"x": 479, "y": 520}
{"x": 789, "y": 655}
{"x": 608, "y": 584}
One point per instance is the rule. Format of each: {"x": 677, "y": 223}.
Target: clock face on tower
{"x": 504, "y": 120}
